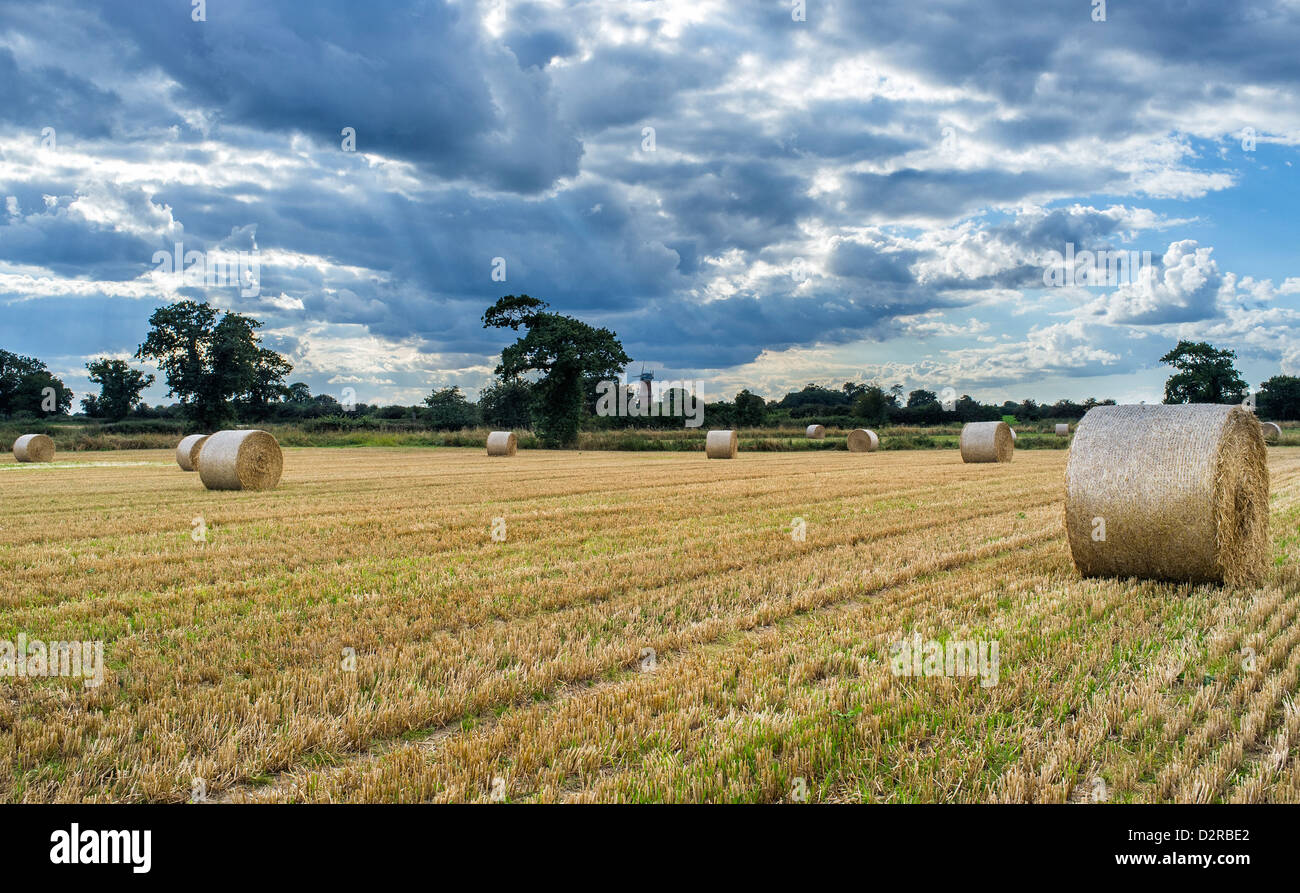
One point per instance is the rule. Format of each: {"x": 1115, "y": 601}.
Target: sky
{"x": 750, "y": 194}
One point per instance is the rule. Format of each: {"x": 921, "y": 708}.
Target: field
{"x": 432, "y": 625}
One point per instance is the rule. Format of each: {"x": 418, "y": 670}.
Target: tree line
{"x": 216, "y": 367}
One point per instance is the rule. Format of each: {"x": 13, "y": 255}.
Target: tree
{"x": 298, "y": 392}
{"x": 1204, "y": 375}
{"x": 119, "y": 388}
{"x": 450, "y": 411}
{"x": 567, "y": 351}
{"x": 922, "y": 399}
{"x": 507, "y": 404}
{"x": 27, "y": 386}
{"x": 1279, "y": 398}
{"x": 750, "y": 410}
{"x": 210, "y": 362}
{"x": 872, "y": 405}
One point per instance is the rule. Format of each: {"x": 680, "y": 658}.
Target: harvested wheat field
{"x": 434, "y": 625}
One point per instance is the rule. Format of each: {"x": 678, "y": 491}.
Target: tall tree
{"x": 26, "y": 385}
{"x": 565, "y": 350}
{"x": 209, "y": 362}
{"x": 1279, "y": 398}
{"x": 1204, "y": 375}
{"x": 119, "y": 387}
{"x": 751, "y": 410}
{"x": 872, "y": 405}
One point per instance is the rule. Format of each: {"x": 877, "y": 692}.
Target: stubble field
{"x": 642, "y": 627}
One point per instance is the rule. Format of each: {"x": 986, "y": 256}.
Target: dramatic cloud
{"x": 873, "y": 192}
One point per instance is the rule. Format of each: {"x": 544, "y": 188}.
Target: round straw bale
{"x": 817, "y": 432}
{"x": 1271, "y": 430}
{"x": 187, "y": 451}
{"x": 863, "y": 440}
{"x": 1062, "y": 430}
{"x": 721, "y": 444}
{"x": 34, "y": 448}
{"x": 1168, "y": 493}
{"x": 986, "y": 442}
{"x": 502, "y": 443}
{"x": 1013, "y": 435}
{"x": 240, "y": 460}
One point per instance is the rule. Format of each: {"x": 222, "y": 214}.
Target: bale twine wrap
{"x": 721, "y": 444}
{"x": 34, "y": 448}
{"x": 240, "y": 460}
{"x": 1168, "y": 493}
{"x": 187, "y": 451}
{"x": 863, "y": 440}
{"x": 1271, "y": 430}
{"x": 502, "y": 443}
{"x": 817, "y": 432}
{"x": 1062, "y": 430}
{"x": 986, "y": 442}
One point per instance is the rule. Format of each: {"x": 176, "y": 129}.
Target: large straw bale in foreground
{"x": 187, "y": 451}
{"x": 816, "y": 432}
{"x": 34, "y": 448}
{"x": 240, "y": 460}
{"x": 502, "y": 443}
{"x": 721, "y": 444}
{"x": 986, "y": 442}
{"x": 1168, "y": 493}
{"x": 863, "y": 440}
{"x": 1271, "y": 430}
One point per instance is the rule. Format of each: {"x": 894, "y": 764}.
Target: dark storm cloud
{"x": 418, "y": 83}
{"x": 48, "y": 96}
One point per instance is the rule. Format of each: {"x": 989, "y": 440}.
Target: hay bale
{"x": 502, "y": 443}
{"x": 816, "y": 432}
{"x": 1062, "y": 430}
{"x": 34, "y": 448}
{"x": 721, "y": 444}
{"x": 1168, "y": 493}
{"x": 1013, "y": 435}
{"x": 1271, "y": 431}
{"x": 986, "y": 442}
{"x": 863, "y": 440}
{"x": 187, "y": 451}
{"x": 240, "y": 460}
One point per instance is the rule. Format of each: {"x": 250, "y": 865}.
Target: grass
{"x": 522, "y": 660}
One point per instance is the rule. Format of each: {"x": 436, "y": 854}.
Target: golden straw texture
{"x": 721, "y": 444}
{"x": 502, "y": 443}
{"x": 240, "y": 460}
{"x": 1168, "y": 493}
{"x": 187, "y": 451}
{"x": 863, "y": 440}
{"x": 987, "y": 442}
{"x": 34, "y": 448}
{"x": 816, "y": 432}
